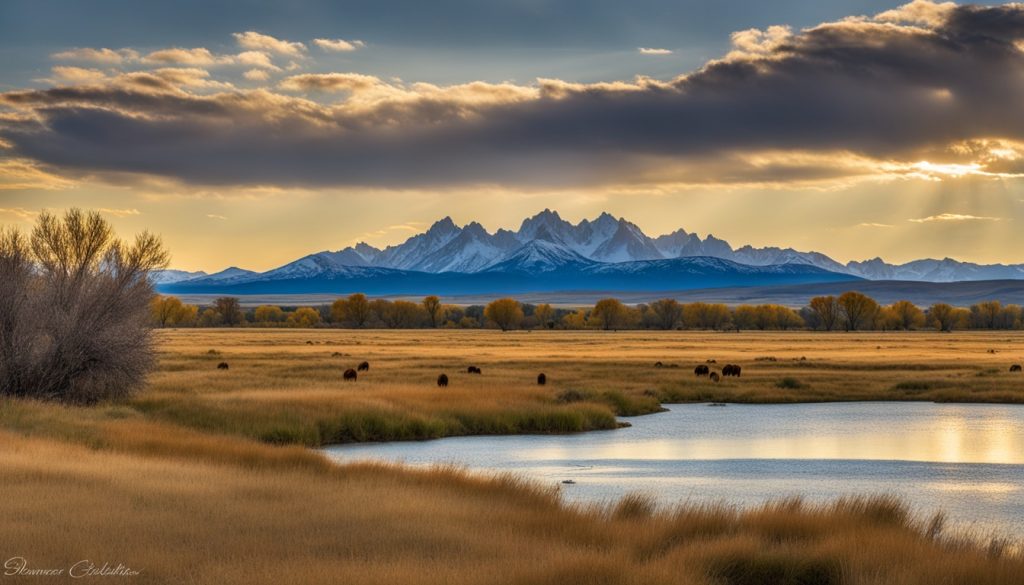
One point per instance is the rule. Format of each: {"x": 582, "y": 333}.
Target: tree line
{"x": 850, "y": 311}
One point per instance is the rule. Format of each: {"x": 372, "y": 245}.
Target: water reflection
{"x": 965, "y": 459}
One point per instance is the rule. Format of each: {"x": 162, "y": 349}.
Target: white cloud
{"x": 77, "y": 74}
{"x": 871, "y": 224}
{"x": 953, "y": 217}
{"x": 256, "y": 75}
{"x": 215, "y": 216}
{"x": 196, "y": 56}
{"x": 109, "y": 56}
{"x": 260, "y": 42}
{"x": 653, "y": 51}
{"x": 338, "y": 45}
{"x": 257, "y": 59}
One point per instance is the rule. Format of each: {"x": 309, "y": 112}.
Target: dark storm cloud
{"x": 890, "y": 90}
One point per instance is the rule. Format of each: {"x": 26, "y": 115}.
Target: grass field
{"x": 285, "y": 386}
{"x": 193, "y": 481}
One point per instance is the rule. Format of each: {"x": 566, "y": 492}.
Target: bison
{"x": 701, "y": 370}
{"x": 473, "y": 370}
{"x": 349, "y": 375}
{"x": 1015, "y": 368}
{"x": 711, "y": 362}
{"x": 364, "y": 367}
{"x": 731, "y": 370}
{"x": 222, "y": 366}
{"x": 442, "y": 380}
{"x": 541, "y": 379}
{"x": 658, "y": 364}
{"x": 714, "y": 377}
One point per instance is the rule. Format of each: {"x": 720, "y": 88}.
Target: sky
{"x": 251, "y": 133}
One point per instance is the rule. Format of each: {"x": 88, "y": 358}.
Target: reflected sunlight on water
{"x": 965, "y": 459}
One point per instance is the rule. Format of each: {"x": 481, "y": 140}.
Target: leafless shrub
{"x": 74, "y": 305}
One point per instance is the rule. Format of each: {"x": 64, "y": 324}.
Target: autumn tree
{"x": 705, "y": 315}
{"x": 544, "y": 315}
{"x": 505, "y": 313}
{"x": 610, "y": 314}
{"x": 230, "y": 311}
{"x": 75, "y": 306}
{"x": 945, "y": 318}
{"x": 432, "y": 305}
{"x": 826, "y": 308}
{"x": 987, "y": 315}
{"x": 908, "y": 316}
{"x": 304, "y": 317}
{"x": 268, "y": 314}
{"x": 575, "y": 320}
{"x": 167, "y": 311}
{"x": 354, "y": 310}
{"x": 857, "y": 309}
{"x": 665, "y": 313}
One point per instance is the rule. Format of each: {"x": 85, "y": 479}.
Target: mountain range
{"x": 550, "y": 253}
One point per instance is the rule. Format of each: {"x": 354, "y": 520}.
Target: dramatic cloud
{"x": 329, "y": 82}
{"x": 260, "y": 42}
{"x": 338, "y": 45}
{"x": 651, "y": 51}
{"x": 926, "y": 91}
{"x": 946, "y": 217}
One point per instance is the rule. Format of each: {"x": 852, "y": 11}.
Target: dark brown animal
{"x": 473, "y": 370}
{"x": 731, "y": 370}
{"x": 541, "y": 379}
{"x": 442, "y": 380}
{"x": 1015, "y": 368}
{"x": 309, "y": 343}
{"x": 363, "y": 367}
{"x": 222, "y": 366}
{"x": 714, "y": 377}
{"x": 701, "y": 370}
{"x": 349, "y": 375}
{"x": 658, "y": 364}
{"x": 711, "y": 362}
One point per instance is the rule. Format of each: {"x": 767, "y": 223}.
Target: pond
{"x": 965, "y": 459}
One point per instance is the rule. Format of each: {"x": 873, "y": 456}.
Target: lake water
{"x": 965, "y": 459}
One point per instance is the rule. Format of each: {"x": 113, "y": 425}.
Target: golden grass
{"x": 174, "y": 485}
{"x": 281, "y": 388}
{"x": 196, "y": 521}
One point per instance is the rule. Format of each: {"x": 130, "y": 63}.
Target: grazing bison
{"x": 473, "y": 370}
{"x": 442, "y": 380}
{"x": 714, "y": 377}
{"x": 541, "y": 379}
{"x": 364, "y": 367}
{"x": 222, "y": 366}
{"x": 349, "y": 375}
{"x": 658, "y": 364}
{"x": 701, "y": 370}
{"x": 1015, "y": 368}
{"x": 731, "y": 370}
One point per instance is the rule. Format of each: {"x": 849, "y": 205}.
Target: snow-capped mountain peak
{"x": 546, "y": 242}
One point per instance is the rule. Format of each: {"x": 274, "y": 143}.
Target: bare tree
{"x": 75, "y": 309}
